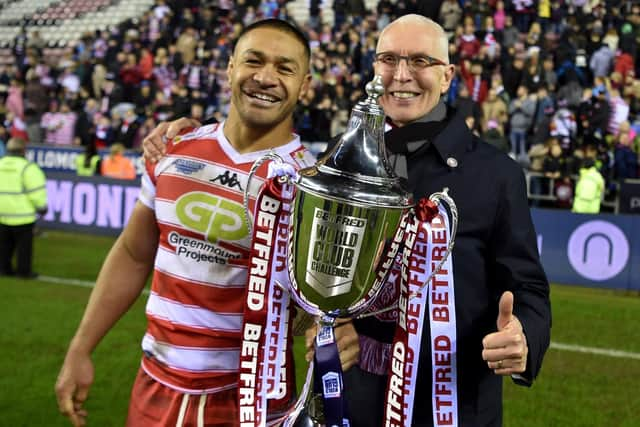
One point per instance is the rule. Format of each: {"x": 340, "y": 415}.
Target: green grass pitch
{"x": 38, "y": 319}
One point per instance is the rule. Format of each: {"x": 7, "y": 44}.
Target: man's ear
{"x": 449, "y": 72}
{"x": 230, "y": 69}
{"x": 306, "y": 84}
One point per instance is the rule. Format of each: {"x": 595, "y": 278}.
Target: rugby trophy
{"x": 343, "y": 225}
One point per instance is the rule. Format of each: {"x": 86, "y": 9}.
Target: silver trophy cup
{"x": 347, "y": 209}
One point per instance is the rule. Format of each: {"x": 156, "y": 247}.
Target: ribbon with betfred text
{"x": 262, "y": 318}
{"x": 427, "y": 239}
{"x": 278, "y": 367}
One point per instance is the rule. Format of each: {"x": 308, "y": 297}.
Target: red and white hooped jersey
{"x": 196, "y": 304}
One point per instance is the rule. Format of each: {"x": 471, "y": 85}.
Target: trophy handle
{"x": 437, "y": 198}
{"x": 269, "y": 156}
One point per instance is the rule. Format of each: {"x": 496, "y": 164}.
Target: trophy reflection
{"x": 346, "y": 228}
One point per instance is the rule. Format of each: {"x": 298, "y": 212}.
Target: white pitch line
{"x": 594, "y": 350}
{"x": 554, "y": 345}
{"x": 74, "y": 282}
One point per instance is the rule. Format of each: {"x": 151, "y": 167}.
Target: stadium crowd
{"x": 555, "y": 83}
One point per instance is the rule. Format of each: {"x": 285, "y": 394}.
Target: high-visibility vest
{"x": 83, "y": 170}
{"x": 589, "y": 189}
{"x": 23, "y": 190}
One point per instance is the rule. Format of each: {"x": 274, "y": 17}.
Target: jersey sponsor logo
{"x": 188, "y": 167}
{"x": 229, "y": 180}
{"x": 216, "y": 217}
{"x": 199, "y": 250}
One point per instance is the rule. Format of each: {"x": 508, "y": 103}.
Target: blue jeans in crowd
{"x": 518, "y": 140}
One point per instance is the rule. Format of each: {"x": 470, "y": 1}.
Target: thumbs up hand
{"x": 505, "y": 351}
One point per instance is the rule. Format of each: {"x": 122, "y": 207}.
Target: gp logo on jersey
{"x": 217, "y": 218}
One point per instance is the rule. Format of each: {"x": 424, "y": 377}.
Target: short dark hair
{"x": 280, "y": 25}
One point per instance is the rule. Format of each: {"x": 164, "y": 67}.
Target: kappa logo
{"x": 215, "y": 217}
{"x": 228, "y": 180}
{"x": 598, "y": 250}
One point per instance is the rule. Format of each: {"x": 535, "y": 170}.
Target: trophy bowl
{"x": 346, "y": 210}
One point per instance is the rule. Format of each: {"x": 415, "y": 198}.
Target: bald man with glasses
{"x": 501, "y": 293}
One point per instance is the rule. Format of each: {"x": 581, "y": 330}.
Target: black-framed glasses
{"x": 415, "y": 63}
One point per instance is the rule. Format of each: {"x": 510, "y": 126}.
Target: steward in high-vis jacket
{"x": 23, "y": 196}
{"x": 88, "y": 163}
{"x": 589, "y": 189}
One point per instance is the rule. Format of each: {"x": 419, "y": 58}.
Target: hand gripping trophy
{"x": 329, "y": 236}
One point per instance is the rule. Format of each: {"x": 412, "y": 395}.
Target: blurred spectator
{"x": 494, "y": 108}
{"x": 474, "y": 80}
{"x": 564, "y": 126}
{"x": 15, "y": 103}
{"x": 467, "y": 107}
{"x": 69, "y": 81}
{"x": 549, "y": 77}
{"x": 59, "y": 124}
{"x": 499, "y": 16}
{"x": 494, "y": 135}
{"x": 542, "y": 126}
{"x": 625, "y": 157}
{"x": 601, "y": 61}
{"x": 449, "y": 16}
{"x": 468, "y": 44}
{"x": 88, "y": 162}
{"x": 127, "y": 131}
{"x": 17, "y": 127}
{"x": 4, "y": 136}
{"x": 537, "y": 154}
{"x": 116, "y": 165}
{"x": 130, "y": 76}
{"x": 619, "y": 111}
{"x": 523, "y": 9}
{"x": 186, "y": 45}
{"x": 553, "y": 164}
{"x": 589, "y": 189}
{"x": 521, "y": 111}
{"x": 35, "y": 95}
{"x": 512, "y": 76}
{"x": 594, "y": 115}
{"x": 23, "y": 196}
{"x": 104, "y": 134}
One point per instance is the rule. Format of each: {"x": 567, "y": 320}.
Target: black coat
{"x": 495, "y": 251}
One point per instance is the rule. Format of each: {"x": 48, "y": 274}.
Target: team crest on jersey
{"x": 303, "y": 158}
{"x": 188, "y": 167}
{"x": 199, "y": 133}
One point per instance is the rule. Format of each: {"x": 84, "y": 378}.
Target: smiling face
{"x": 268, "y": 73}
{"x": 410, "y": 94}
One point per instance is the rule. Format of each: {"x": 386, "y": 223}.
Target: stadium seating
{"x": 62, "y": 22}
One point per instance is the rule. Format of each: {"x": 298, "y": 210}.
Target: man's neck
{"x": 436, "y": 114}
{"x": 246, "y": 139}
